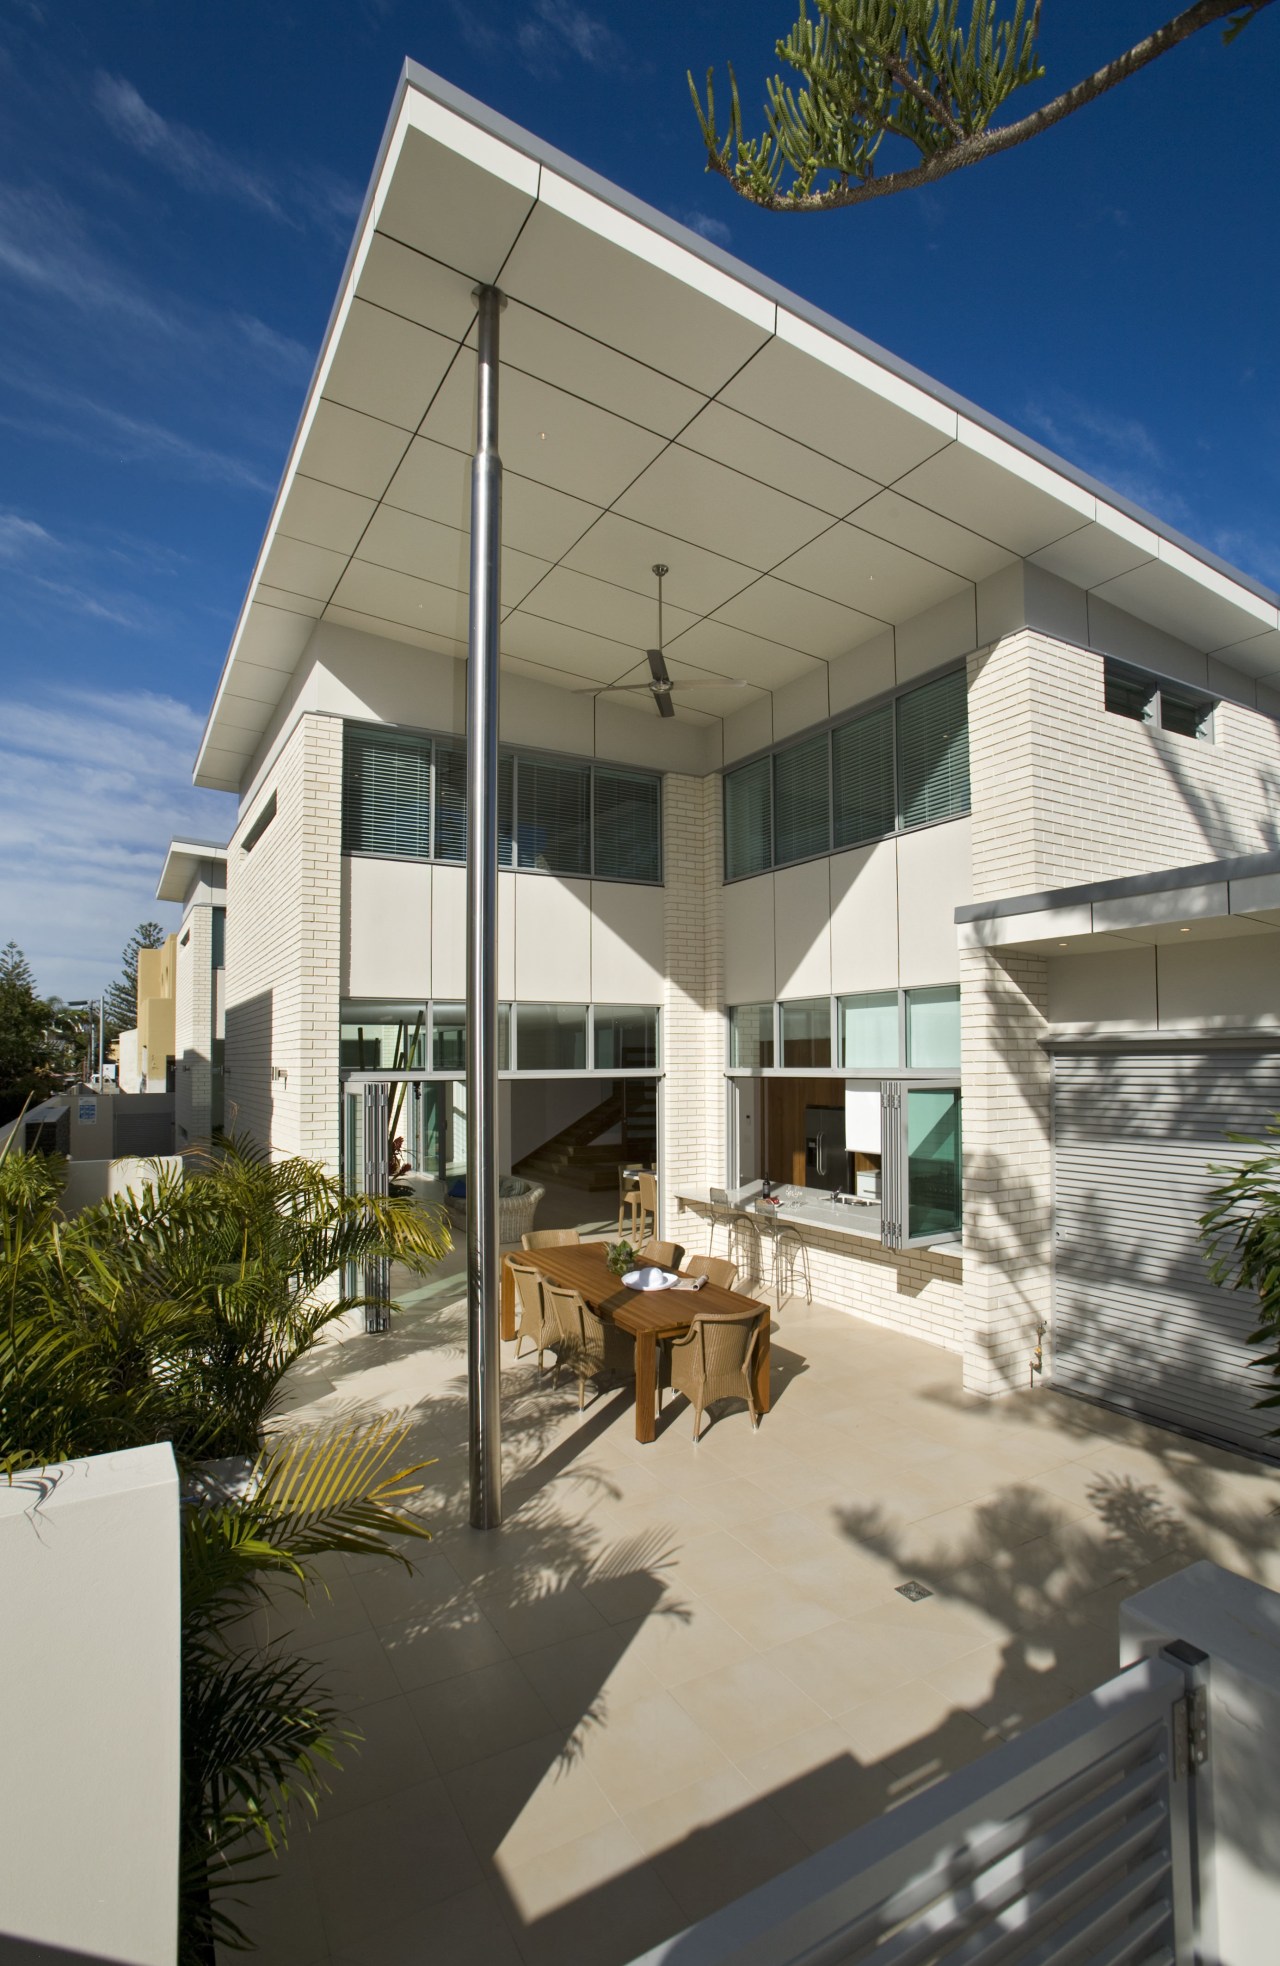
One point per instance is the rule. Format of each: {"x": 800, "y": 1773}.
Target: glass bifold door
{"x": 398, "y": 1135}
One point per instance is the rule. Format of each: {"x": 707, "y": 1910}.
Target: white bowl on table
{"x": 650, "y": 1278}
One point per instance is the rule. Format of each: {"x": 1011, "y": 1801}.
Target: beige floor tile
{"x": 391, "y": 1755}
{"x": 648, "y": 1749}
{"x": 817, "y": 1785}
{"x": 421, "y": 1652}
{"x": 753, "y": 1701}
{"x": 685, "y": 1641}
{"x": 1001, "y": 1690}
{"x": 594, "y": 1901}
{"x": 393, "y": 1859}
{"x": 355, "y": 1670}
{"x": 719, "y": 1861}
{"x": 529, "y": 1799}
{"x": 467, "y": 1719}
{"x": 846, "y": 1664}
{"x": 599, "y": 1669}
{"x": 524, "y": 1624}
{"x": 716, "y": 1798}
{"x": 468, "y": 1929}
{"x": 721, "y": 1557}
{"x": 280, "y": 1917}
{"x": 389, "y": 1593}
{"x": 768, "y": 1617}
{"x": 912, "y": 1733}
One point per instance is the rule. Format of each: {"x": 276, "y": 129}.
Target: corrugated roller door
{"x": 1137, "y": 1321}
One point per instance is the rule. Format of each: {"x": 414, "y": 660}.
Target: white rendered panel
{"x": 1189, "y": 602}
{"x": 1113, "y": 990}
{"x": 553, "y": 939}
{"x": 386, "y": 927}
{"x": 609, "y": 275}
{"x": 802, "y": 929}
{"x": 399, "y": 632}
{"x": 302, "y": 569}
{"x": 786, "y": 613}
{"x": 449, "y": 932}
{"x": 748, "y": 730}
{"x": 935, "y": 877}
{"x": 570, "y": 651}
{"x": 1216, "y": 984}
{"x": 713, "y": 644}
{"x": 276, "y": 638}
{"x": 723, "y": 510}
{"x": 580, "y": 601}
{"x": 918, "y": 530}
{"x": 280, "y": 597}
{"x": 1099, "y": 552}
{"x": 750, "y": 970}
{"x": 864, "y": 919}
{"x": 626, "y": 943}
{"x": 386, "y": 595}
{"x": 357, "y": 452}
{"x": 435, "y": 482}
{"x": 1023, "y": 505}
{"x": 594, "y": 370}
{"x": 802, "y": 703}
{"x": 863, "y": 673}
{"x": 430, "y": 551}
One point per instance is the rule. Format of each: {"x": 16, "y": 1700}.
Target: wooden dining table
{"x": 647, "y": 1316}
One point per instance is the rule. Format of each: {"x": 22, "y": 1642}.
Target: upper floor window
{"x": 905, "y": 763}
{"x": 1176, "y": 707}
{"x": 218, "y": 937}
{"x": 405, "y": 796}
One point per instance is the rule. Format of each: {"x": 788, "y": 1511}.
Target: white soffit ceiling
{"x": 658, "y": 403}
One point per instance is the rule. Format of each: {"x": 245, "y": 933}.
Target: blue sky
{"x": 178, "y": 188}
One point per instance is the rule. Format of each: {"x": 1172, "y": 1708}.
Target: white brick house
{"x": 937, "y": 671}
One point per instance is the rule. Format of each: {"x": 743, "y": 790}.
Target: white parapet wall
{"x": 1237, "y": 1624}
{"x": 89, "y": 1708}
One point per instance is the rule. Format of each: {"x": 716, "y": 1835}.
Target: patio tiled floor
{"x": 674, "y": 1671}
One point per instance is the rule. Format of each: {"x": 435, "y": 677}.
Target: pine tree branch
{"x": 974, "y": 148}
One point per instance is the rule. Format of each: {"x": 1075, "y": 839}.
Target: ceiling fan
{"x": 660, "y": 684}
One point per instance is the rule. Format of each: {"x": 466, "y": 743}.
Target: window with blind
{"x": 933, "y": 751}
{"x": 748, "y": 820}
{"x": 863, "y": 803}
{"x": 627, "y": 825}
{"x": 386, "y": 793}
{"x": 903, "y": 764}
{"x": 405, "y": 796}
{"x": 802, "y": 800}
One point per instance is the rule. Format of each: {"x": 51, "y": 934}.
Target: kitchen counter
{"x": 800, "y": 1208}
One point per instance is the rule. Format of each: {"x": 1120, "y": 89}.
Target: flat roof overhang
{"x": 660, "y": 402}
{"x": 1205, "y": 902}
{"x": 183, "y": 862}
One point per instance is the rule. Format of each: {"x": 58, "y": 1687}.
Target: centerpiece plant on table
{"x": 174, "y": 1314}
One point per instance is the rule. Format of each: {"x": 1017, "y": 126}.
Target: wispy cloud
{"x": 92, "y": 787}
{"x": 1070, "y": 422}
{"x": 557, "y": 28}
{"x": 303, "y": 194}
{"x": 706, "y": 227}
{"x": 73, "y": 418}
{"x": 39, "y": 569}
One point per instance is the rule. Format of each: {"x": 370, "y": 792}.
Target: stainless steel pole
{"x": 484, "y": 1333}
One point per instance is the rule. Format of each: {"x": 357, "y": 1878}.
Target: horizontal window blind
{"x": 628, "y": 826}
{"x": 386, "y": 793}
{"x": 451, "y": 805}
{"x": 864, "y": 806}
{"x": 747, "y": 820}
{"x": 802, "y": 800}
{"x": 553, "y": 822}
{"x": 933, "y": 751}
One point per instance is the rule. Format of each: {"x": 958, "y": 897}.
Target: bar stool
{"x": 788, "y": 1245}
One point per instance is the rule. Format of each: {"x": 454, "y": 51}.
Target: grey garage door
{"x": 1137, "y": 1322}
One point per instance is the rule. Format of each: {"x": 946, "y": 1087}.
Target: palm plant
{"x": 174, "y": 1314}
{"x": 1241, "y": 1233}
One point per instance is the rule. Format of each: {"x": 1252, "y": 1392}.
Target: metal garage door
{"x": 1136, "y": 1320}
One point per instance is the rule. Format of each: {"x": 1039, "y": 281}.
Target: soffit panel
{"x": 696, "y": 326}
{"x": 275, "y": 637}
{"x": 834, "y": 414}
{"x": 435, "y": 482}
{"x": 625, "y": 552}
{"x": 392, "y": 596}
{"x": 240, "y": 716}
{"x": 870, "y": 574}
{"x": 280, "y": 597}
{"x": 430, "y": 551}
{"x": 1094, "y": 554}
{"x": 324, "y": 515}
{"x": 782, "y": 612}
{"x": 546, "y": 434}
{"x": 712, "y": 506}
{"x": 715, "y": 644}
{"x": 595, "y": 657}
{"x": 546, "y": 673}
{"x": 462, "y": 209}
{"x": 386, "y": 366}
{"x": 891, "y": 517}
{"x": 395, "y": 631}
{"x": 709, "y": 699}
{"x": 600, "y": 374}
{"x": 964, "y": 485}
{"x": 220, "y": 769}
{"x": 1168, "y": 599}
{"x": 355, "y": 452}
{"x": 751, "y": 447}
{"x": 403, "y": 281}
{"x": 1258, "y": 656}
{"x": 578, "y": 601}
{"x": 302, "y": 569}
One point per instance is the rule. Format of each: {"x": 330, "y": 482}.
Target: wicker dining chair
{"x": 533, "y": 1320}
{"x": 716, "y": 1359}
{"x": 661, "y": 1255}
{"x": 716, "y": 1269}
{"x": 584, "y": 1343}
{"x": 550, "y": 1238}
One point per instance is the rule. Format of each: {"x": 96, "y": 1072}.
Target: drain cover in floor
{"x": 913, "y": 1590}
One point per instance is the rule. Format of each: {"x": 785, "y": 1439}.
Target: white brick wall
{"x": 283, "y": 952}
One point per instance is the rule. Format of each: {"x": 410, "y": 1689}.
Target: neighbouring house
{"x": 195, "y": 876}
{"x": 145, "y": 1055}
{"x": 947, "y": 876}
